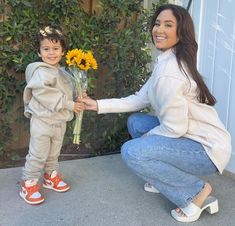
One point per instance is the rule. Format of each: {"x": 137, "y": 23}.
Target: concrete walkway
{"x": 104, "y": 193}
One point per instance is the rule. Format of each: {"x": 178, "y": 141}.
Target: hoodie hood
{"x": 31, "y": 68}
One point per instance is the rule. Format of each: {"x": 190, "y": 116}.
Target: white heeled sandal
{"x": 192, "y": 212}
{"x": 149, "y": 188}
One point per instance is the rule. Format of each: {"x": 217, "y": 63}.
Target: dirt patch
{"x": 68, "y": 152}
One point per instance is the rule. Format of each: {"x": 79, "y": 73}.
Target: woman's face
{"x": 164, "y": 31}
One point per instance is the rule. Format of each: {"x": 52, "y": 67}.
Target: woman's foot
{"x": 193, "y": 210}
{"x": 199, "y": 199}
{"x": 150, "y": 188}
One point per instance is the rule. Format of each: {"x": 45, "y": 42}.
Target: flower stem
{"x": 77, "y": 128}
{"x": 79, "y": 116}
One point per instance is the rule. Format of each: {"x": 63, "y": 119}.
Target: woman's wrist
{"x": 96, "y": 106}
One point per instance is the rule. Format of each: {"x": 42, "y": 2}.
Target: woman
{"x": 184, "y": 137}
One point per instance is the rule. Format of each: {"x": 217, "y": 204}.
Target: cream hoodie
{"x": 48, "y": 94}
{"x": 173, "y": 99}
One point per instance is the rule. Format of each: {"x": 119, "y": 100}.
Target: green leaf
{"x": 8, "y": 38}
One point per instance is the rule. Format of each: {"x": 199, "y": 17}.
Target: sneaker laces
{"x": 57, "y": 180}
{"x": 33, "y": 189}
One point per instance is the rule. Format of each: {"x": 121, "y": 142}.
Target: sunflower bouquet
{"x": 78, "y": 63}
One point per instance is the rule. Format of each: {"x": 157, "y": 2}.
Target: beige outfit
{"x": 48, "y": 100}
{"x": 173, "y": 100}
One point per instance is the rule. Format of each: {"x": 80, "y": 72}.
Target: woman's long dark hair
{"x": 186, "y": 49}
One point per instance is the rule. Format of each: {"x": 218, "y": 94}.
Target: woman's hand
{"x": 89, "y": 104}
{"x": 78, "y": 107}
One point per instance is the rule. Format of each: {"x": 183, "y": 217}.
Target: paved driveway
{"x": 104, "y": 193}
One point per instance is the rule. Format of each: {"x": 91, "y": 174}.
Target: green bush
{"x": 116, "y": 32}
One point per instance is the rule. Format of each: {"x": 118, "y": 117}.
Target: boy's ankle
{"x": 30, "y": 182}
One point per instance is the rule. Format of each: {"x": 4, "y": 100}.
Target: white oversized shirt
{"x": 172, "y": 96}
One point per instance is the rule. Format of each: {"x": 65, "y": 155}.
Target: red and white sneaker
{"x": 30, "y": 192}
{"x": 55, "y": 182}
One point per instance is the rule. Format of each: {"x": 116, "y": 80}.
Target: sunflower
{"x": 71, "y": 56}
{"x": 92, "y": 60}
{"x": 81, "y": 61}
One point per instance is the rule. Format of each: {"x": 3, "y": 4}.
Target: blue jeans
{"x": 169, "y": 164}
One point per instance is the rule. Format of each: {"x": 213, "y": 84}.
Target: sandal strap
{"x": 191, "y": 209}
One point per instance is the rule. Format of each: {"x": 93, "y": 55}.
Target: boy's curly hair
{"x": 52, "y": 33}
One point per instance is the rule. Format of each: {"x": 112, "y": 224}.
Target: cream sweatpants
{"x": 44, "y": 148}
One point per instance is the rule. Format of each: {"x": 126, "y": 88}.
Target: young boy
{"x": 48, "y": 101}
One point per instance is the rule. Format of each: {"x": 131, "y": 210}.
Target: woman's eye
{"x": 157, "y": 24}
{"x": 168, "y": 25}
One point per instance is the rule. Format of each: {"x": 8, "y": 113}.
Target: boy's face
{"x": 51, "y": 52}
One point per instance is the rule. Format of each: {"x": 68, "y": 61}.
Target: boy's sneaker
{"x": 30, "y": 192}
{"x": 55, "y": 182}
